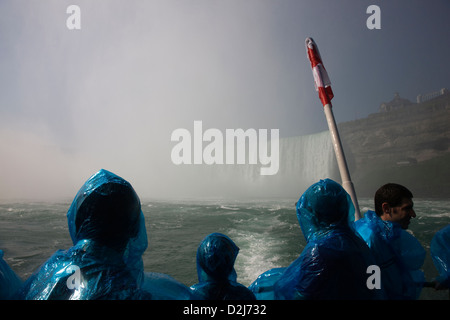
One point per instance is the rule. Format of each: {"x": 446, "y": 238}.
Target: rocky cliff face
{"x": 404, "y": 140}
{"x": 409, "y": 145}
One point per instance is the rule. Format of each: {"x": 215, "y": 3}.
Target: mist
{"x": 110, "y": 94}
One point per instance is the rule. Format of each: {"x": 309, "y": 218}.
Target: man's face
{"x": 401, "y": 214}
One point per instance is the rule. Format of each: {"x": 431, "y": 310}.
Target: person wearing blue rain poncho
{"x": 216, "y": 255}
{"x": 107, "y": 228}
{"x": 334, "y": 262}
{"x": 398, "y": 254}
{"x": 440, "y": 253}
{"x": 9, "y": 280}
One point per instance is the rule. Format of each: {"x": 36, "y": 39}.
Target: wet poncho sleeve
{"x": 9, "y": 280}
{"x": 440, "y": 253}
{"x": 398, "y": 254}
{"x": 263, "y": 286}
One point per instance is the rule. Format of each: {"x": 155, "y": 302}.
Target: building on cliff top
{"x": 399, "y": 102}
{"x": 396, "y": 103}
{"x": 428, "y": 96}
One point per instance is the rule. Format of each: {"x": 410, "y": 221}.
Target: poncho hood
{"x": 323, "y": 207}
{"x": 215, "y": 258}
{"x": 107, "y": 228}
{"x": 107, "y": 210}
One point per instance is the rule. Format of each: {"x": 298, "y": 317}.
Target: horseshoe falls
{"x": 303, "y": 160}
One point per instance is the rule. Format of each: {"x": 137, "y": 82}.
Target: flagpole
{"x": 347, "y": 183}
{"x": 323, "y": 86}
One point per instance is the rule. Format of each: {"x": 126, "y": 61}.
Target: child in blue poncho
{"x": 398, "y": 254}
{"x": 216, "y": 255}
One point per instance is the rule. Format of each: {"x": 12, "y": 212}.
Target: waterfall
{"x": 303, "y": 160}
{"x": 308, "y": 158}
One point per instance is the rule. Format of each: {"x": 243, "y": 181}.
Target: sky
{"x": 110, "y": 94}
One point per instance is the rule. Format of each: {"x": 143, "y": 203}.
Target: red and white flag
{"x": 321, "y": 80}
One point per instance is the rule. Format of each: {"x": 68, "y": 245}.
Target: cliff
{"x": 408, "y": 145}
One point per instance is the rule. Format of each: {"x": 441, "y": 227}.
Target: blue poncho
{"x": 9, "y": 280}
{"x": 216, "y": 255}
{"x": 440, "y": 253}
{"x": 398, "y": 254}
{"x": 334, "y": 263}
{"x": 107, "y": 228}
{"x": 263, "y": 286}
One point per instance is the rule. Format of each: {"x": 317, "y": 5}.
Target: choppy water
{"x": 266, "y": 231}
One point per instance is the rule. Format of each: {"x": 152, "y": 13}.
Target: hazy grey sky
{"x": 110, "y": 95}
